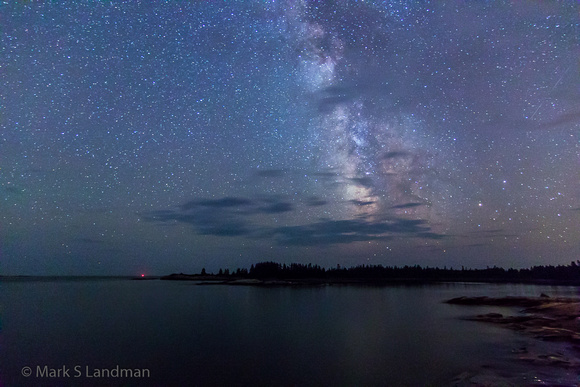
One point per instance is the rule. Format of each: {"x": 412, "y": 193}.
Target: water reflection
{"x": 207, "y": 335}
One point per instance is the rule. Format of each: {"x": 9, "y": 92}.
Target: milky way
{"x": 170, "y": 136}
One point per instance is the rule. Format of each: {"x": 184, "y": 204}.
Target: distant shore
{"x": 298, "y": 274}
{"x": 290, "y": 282}
{"x": 271, "y": 282}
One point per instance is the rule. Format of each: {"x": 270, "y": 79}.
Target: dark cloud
{"x": 408, "y": 205}
{"x": 431, "y": 235}
{"x": 223, "y": 218}
{"x": 276, "y": 208}
{"x": 365, "y": 181}
{"x": 326, "y": 175}
{"x": 327, "y": 104}
{"x": 355, "y": 230}
{"x": 269, "y": 205}
{"x": 568, "y": 120}
{"x": 227, "y": 205}
{"x": 332, "y": 96}
{"x": 396, "y": 155}
{"x": 229, "y": 216}
{"x": 315, "y": 201}
{"x": 563, "y": 119}
{"x": 205, "y": 221}
{"x": 227, "y": 202}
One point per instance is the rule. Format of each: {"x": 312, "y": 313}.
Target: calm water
{"x": 225, "y": 335}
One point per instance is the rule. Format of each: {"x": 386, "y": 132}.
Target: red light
{"x": 142, "y": 275}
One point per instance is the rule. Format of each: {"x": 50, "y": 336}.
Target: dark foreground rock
{"x": 511, "y": 301}
{"x": 545, "y": 318}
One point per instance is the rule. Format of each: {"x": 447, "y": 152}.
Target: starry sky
{"x": 166, "y": 136}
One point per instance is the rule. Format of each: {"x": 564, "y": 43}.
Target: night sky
{"x": 166, "y": 136}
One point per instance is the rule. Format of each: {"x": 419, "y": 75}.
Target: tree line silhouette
{"x": 277, "y": 271}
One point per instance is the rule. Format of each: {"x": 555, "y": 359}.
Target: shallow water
{"x": 182, "y": 333}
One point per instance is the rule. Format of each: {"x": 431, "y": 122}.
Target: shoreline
{"x": 544, "y": 318}
{"x": 286, "y": 282}
{"x": 313, "y": 281}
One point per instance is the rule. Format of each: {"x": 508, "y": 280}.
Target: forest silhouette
{"x": 560, "y": 274}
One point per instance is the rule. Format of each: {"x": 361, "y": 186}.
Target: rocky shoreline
{"x": 544, "y": 318}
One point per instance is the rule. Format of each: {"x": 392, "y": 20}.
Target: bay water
{"x": 124, "y": 332}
